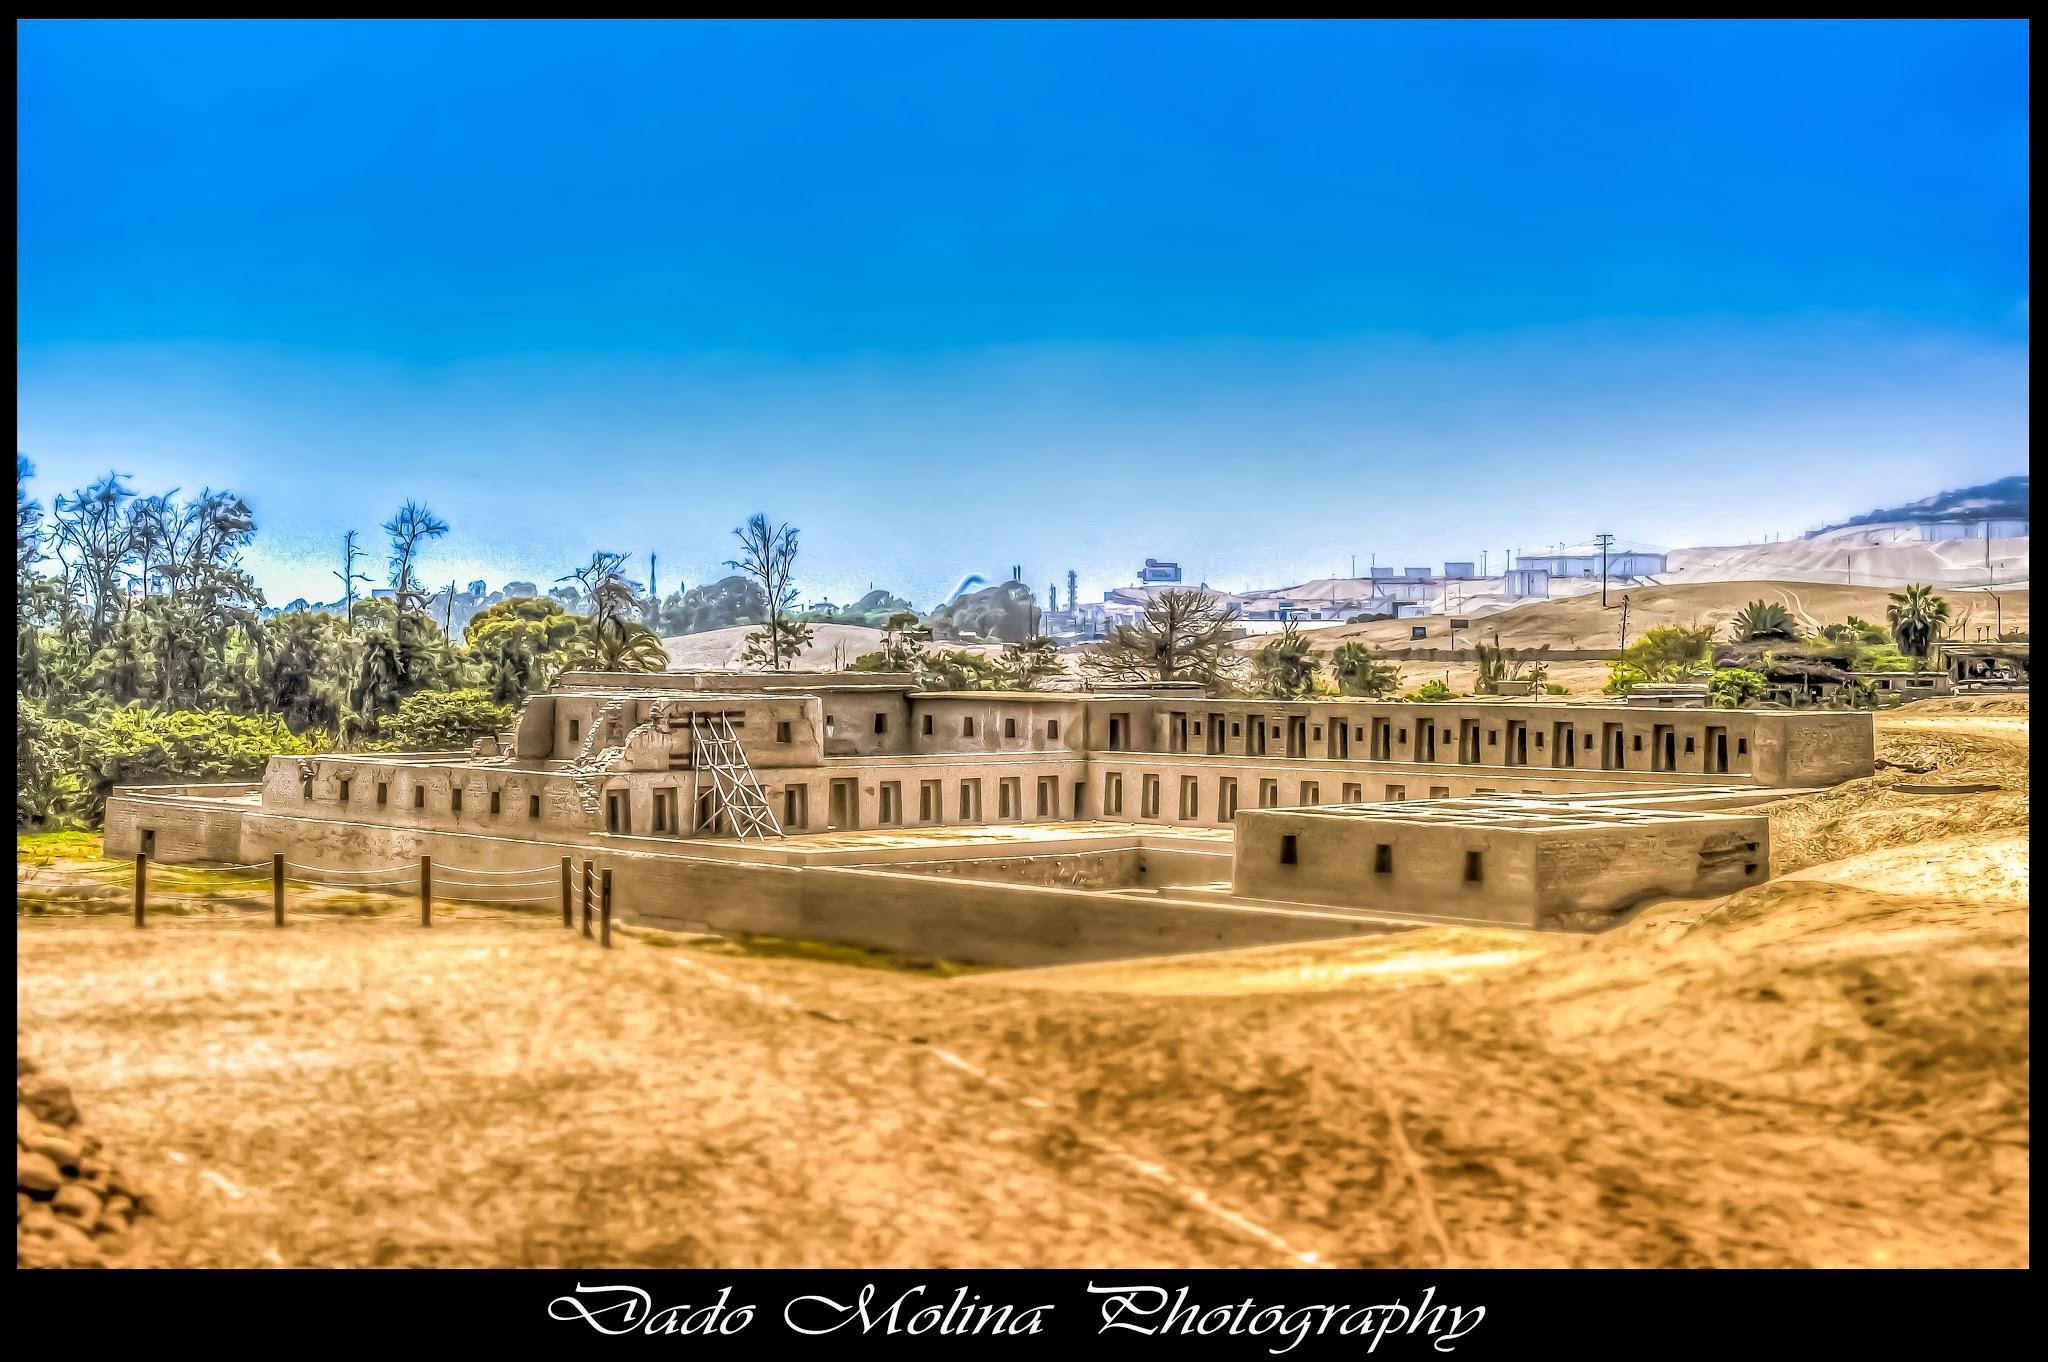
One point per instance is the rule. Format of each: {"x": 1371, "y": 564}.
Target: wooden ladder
{"x": 736, "y": 796}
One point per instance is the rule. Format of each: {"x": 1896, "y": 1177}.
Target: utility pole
{"x": 448, "y": 615}
{"x": 1624, "y": 623}
{"x": 1604, "y": 541}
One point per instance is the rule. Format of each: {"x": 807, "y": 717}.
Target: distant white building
{"x": 1583, "y": 560}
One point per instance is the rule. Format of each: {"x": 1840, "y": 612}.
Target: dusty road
{"x": 1831, "y": 1069}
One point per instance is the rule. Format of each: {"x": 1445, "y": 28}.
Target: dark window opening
{"x": 1741, "y": 746}
{"x": 1688, "y": 744}
{"x": 419, "y": 796}
{"x": 495, "y": 806}
{"x": 1493, "y": 737}
{"x": 881, "y": 723}
{"x": 1236, "y": 729}
{"x": 1052, "y": 729}
{"x": 455, "y": 800}
{"x": 967, "y": 728}
{"x": 533, "y": 806}
{"x": 383, "y": 793}
{"x": 344, "y": 791}
{"x": 1287, "y": 849}
{"x": 782, "y": 731}
{"x": 1382, "y": 859}
{"x": 1473, "y": 863}
{"x": 575, "y": 729}
{"x": 1638, "y": 743}
{"x": 927, "y": 725}
{"x": 1009, "y": 728}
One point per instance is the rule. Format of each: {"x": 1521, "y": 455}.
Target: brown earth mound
{"x": 71, "y": 1207}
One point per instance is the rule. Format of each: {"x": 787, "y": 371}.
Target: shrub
{"x": 445, "y": 720}
{"x": 1430, "y": 691}
{"x": 1732, "y": 687}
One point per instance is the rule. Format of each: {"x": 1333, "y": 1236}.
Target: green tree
{"x": 776, "y": 645}
{"x": 1734, "y": 687}
{"x": 617, "y": 644}
{"x": 518, "y": 646}
{"x": 1917, "y": 616}
{"x": 1023, "y": 665}
{"x": 1358, "y": 672}
{"x": 446, "y": 721}
{"x": 959, "y": 669}
{"x": 1286, "y": 668}
{"x": 1764, "y": 620}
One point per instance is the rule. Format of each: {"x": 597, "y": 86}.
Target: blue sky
{"x": 952, "y": 297}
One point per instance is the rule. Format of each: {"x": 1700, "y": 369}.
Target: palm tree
{"x": 618, "y": 644}
{"x": 1765, "y": 619}
{"x": 1916, "y": 616}
{"x": 1358, "y": 672}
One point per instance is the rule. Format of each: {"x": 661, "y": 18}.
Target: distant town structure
{"x": 1583, "y": 560}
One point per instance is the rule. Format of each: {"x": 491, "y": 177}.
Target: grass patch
{"x": 657, "y": 938}
{"x": 41, "y": 848}
{"x": 835, "y": 953}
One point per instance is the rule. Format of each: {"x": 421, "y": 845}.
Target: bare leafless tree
{"x": 1184, "y": 635}
{"x": 349, "y": 577}
{"x": 768, "y": 555}
{"x": 94, "y": 540}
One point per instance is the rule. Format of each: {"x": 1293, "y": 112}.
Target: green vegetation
{"x": 1764, "y": 620}
{"x": 1917, "y": 616}
{"x": 1287, "y": 668}
{"x": 1359, "y": 673}
{"x": 1023, "y": 665}
{"x": 832, "y": 953}
{"x": 1734, "y": 687}
{"x": 1429, "y": 692}
{"x": 446, "y": 721}
{"x": 1668, "y": 652}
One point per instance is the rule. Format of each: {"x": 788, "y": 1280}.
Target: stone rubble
{"x": 71, "y": 1207}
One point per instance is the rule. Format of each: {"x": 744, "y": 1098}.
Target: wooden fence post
{"x": 277, "y": 887}
{"x": 605, "y": 908}
{"x": 588, "y": 876}
{"x": 141, "y": 884}
{"x": 568, "y": 895}
{"x": 426, "y": 891}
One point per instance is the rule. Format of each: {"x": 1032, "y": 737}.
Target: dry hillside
{"x": 1581, "y": 621}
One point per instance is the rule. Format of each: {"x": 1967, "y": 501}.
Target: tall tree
{"x": 768, "y": 555}
{"x": 349, "y": 577}
{"x": 1916, "y": 616}
{"x": 1359, "y": 673}
{"x": 1183, "y": 635}
{"x": 1286, "y": 668}
{"x": 410, "y": 530}
{"x": 94, "y": 540}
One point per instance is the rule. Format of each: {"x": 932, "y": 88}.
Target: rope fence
{"x": 471, "y": 884}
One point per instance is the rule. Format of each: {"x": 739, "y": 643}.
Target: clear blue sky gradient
{"x": 950, "y": 297}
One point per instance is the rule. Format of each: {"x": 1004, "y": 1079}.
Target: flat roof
{"x": 1498, "y": 814}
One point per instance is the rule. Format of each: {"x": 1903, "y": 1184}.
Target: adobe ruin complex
{"x": 1022, "y": 828}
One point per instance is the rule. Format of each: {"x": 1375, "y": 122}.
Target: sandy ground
{"x": 1829, "y": 1069}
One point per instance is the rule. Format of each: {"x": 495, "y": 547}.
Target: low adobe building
{"x": 723, "y": 800}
